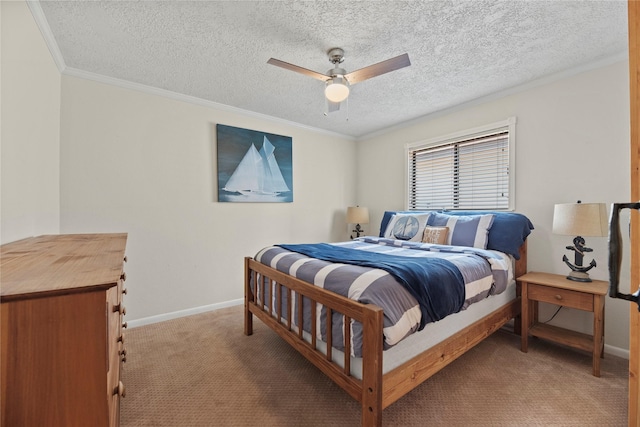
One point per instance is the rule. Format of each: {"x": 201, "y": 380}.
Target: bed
{"x": 392, "y": 345}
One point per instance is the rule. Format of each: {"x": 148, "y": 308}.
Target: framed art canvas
{"x": 253, "y": 166}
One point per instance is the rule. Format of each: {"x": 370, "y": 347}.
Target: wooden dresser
{"x": 62, "y": 343}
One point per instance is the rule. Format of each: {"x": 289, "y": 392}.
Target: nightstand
{"x": 557, "y": 289}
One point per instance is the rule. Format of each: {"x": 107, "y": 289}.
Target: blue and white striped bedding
{"x": 484, "y": 272}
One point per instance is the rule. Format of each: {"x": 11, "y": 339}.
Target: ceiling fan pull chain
{"x": 347, "y": 108}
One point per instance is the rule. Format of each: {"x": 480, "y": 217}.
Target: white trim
{"x": 609, "y": 349}
{"x": 623, "y": 56}
{"x": 41, "y": 21}
{"x": 509, "y": 124}
{"x": 193, "y": 100}
{"x": 47, "y": 34}
{"x": 467, "y": 133}
{"x": 616, "y": 351}
{"x": 182, "y": 313}
{"x": 45, "y": 29}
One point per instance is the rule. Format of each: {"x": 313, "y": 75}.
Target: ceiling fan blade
{"x": 374, "y": 70}
{"x": 298, "y": 69}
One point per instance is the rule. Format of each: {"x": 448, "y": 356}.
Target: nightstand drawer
{"x": 564, "y": 297}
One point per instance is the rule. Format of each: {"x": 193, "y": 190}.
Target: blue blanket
{"x": 435, "y": 283}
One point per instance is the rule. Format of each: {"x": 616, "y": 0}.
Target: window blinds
{"x": 471, "y": 173}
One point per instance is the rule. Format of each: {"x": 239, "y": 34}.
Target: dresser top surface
{"x": 59, "y": 264}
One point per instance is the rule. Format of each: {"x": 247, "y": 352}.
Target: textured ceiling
{"x": 218, "y": 50}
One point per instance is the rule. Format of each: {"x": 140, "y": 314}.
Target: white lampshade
{"x": 580, "y": 219}
{"x": 357, "y": 215}
{"x": 336, "y": 89}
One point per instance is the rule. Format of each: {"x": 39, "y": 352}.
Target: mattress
{"x": 431, "y": 335}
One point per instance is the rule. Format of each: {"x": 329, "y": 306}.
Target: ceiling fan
{"x": 337, "y": 80}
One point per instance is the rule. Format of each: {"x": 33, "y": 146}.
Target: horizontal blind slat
{"x": 472, "y": 173}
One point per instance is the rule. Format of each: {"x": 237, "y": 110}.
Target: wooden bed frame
{"x": 374, "y": 391}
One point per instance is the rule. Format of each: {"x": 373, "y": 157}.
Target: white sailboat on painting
{"x": 258, "y": 173}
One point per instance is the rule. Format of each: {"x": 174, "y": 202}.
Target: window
{"x": 468, "y": 170}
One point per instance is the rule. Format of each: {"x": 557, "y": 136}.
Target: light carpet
{"x": 202, "y": 370}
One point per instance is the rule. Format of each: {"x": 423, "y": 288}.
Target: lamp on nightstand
{"x": 357, "y": 215}
{"x": 580, "y": 219}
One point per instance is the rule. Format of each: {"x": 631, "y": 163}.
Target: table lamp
{"x": 580, "y": 219}
{"x": 357, "y": 215}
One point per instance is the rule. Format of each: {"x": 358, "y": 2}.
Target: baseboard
{"x": 608, "y": 349}
{"x": 616, "y": 351}
{"x": 182, "y": 313}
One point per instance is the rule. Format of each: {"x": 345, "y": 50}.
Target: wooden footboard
{"x": 367, "y": 391}
{"x": 375, "y": 391}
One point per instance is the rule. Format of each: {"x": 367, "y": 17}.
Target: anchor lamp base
{"x": 579, "y": 276}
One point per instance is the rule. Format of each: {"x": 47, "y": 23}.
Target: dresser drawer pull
{"x": 121, "y": 338}
{"x": 124, "y": 291}
{"x": 124, "y": 325}
{"x": 120, "y": 390}
{"x": 559, "y": 297}
{"x": 123, "y": 353}
{"x": 120, "y": 308}
{"x": 125, "y": 258}
{"x": 123, "y": 276}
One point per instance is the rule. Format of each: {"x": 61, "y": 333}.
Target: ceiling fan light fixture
{"x": 337, "y": 89}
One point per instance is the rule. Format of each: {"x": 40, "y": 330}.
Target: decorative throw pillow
{"x": 406, "y": 227}
{"x": 470, "y": 231}
{"x": 437, "y": 235}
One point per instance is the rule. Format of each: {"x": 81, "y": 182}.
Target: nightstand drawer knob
{"x": 558, "y": 297}
{"x": 120, "y": 390}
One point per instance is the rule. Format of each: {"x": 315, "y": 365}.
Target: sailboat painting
{"x": 253, "y": 166}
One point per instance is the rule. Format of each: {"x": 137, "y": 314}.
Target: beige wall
{"x": 30, "y": 129}
{"x": 572, "y": 142}
{"x": 146, "y": 165}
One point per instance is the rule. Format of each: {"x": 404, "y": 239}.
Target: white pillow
{"x": 407, "y": 227}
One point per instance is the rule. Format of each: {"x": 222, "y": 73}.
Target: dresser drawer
{"x": 564, "y": 297}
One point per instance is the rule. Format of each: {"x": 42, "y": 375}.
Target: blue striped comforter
{"x": 369, "y": 274}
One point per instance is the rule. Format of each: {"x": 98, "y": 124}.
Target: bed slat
{"x": 347, "y": 344}
{"x": 329, "y": 328}
{"x": 314, "y": 307}
{"x": 299, "y": 306}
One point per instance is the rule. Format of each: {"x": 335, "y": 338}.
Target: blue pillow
{"x": 472, "y": 231}
{"x": 508, "y": 231}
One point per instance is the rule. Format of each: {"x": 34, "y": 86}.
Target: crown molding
{"x": 43, "y": 25}
{"x": 45, "y": 30}
{"x": 47, "y": 34}
{"x": 74, "y": 72}
{"x": 623, "y": 56}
